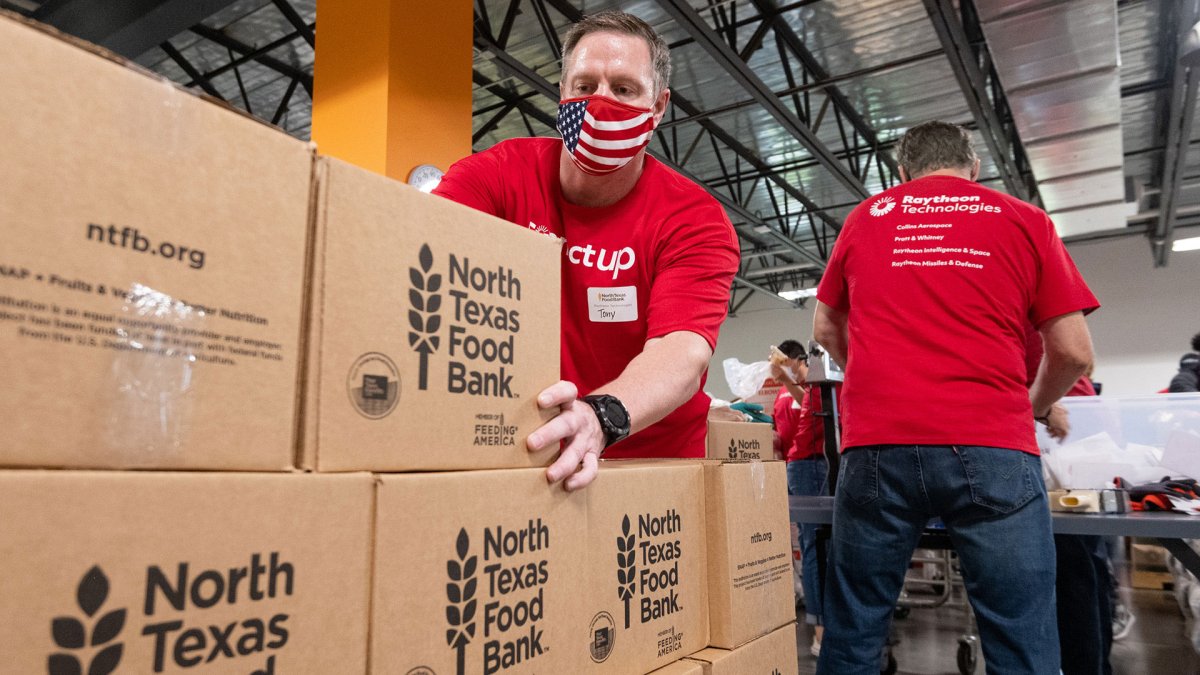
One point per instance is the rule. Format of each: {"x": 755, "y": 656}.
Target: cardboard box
{"x": 749, "y": 551}
{"x": 684, "y": 667}
{"x": 1149, "y": 566}
{"x": 479, "y": 572}
{"x": 434, "y": 327}
{"x": 646, "y": 565}
{"x": 774, "y": 654}
{"x": 740, "y": 440}
{"x": 152, "y": 274}
{"x": 163, "y": 572}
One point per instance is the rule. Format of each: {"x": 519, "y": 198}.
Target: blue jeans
{"x": 808, "y": 477}
{"x": 1085, "y": 608}
{"x": 993, "y": 503}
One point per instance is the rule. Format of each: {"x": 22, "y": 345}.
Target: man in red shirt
{"x": 800, "y": 431}
{"x": 924, "y": 302}
{"x": 648, "y": 260}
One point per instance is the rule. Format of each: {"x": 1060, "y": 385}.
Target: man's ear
{"x": 903, "y": 175}
{"x": 975, "y": 170}
{"x": 660, "y": 106}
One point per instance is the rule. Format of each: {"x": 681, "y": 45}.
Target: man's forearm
{"x": 796, "y": 389}
{"x": 660, "y": 379}
{"x": 831, "y": 331}
{"x": 1068, "y": 353}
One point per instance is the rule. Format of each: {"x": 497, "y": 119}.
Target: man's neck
{"x": 965, "y": 174}
{"x": 584, "y": 189}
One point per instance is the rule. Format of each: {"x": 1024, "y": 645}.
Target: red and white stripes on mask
{"x": 602, "y": 134}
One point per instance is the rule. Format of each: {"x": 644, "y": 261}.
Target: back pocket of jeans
{"x": 860, "y": 475}
{"x": 1000, "y": 479}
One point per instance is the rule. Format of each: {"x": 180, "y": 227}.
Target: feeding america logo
{"x": 883, "y": 206}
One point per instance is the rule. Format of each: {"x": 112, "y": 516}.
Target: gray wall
{"x": 1144, "y": 325}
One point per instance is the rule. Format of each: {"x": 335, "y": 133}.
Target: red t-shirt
{"x": 799, "y": 424}
{"x": 810, "y": 430}
{"x": 940, "y": 277}
{"x": 660, "y": 260}
{"x": 786, "y": 416}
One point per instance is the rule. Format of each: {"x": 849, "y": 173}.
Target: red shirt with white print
{"x": 658, "y": 261}
{"x": 941, "y": 277}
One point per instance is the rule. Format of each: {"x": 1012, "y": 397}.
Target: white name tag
{"x": 613, "y": 305}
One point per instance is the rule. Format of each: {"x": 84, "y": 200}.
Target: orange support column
{"x": 392, "y": 83}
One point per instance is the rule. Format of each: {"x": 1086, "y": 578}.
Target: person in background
{"x": 1083, "y": 588}
{"x": 924, "y": 303}
{"x": 801, "y": 437}
{"x": 1188, "y": 377}
{"x": 648, "y": 261}
{"x": 786, "y": 366}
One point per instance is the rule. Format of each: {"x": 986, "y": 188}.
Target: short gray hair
{"x": 612, "y": 21}
{"x": 934, "y": 145}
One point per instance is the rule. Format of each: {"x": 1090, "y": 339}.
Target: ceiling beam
{"x": 724, "y": 55}
{"x": 768, "y": 8}
{"x": 973, "y": 83}
{"x": 130, "y": 27}
{"x": 1185, "y": 80}
{"x": 233, "y": 44}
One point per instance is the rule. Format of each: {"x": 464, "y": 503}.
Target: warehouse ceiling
{"x": 786, "y": 111}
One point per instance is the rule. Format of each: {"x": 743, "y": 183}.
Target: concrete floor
{"x": 1157, "y": 644}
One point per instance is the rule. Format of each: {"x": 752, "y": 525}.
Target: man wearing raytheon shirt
{"x": 648, "y": 260}
{"x": 925, "y": 302}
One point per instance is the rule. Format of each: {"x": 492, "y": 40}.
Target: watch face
{"x": 616, "y": 414}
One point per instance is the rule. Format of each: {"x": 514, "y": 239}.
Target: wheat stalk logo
{"x": 460, "y": 613}
{"x": 626, "y": 543}
{"x": 69, "y": 632}
{"x": 423, "y": 317}
{"x": 732, "y": 449}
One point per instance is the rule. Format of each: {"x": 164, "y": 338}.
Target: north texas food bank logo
{"x": 72, "y": 634}
{"x": 883, "y": 206}
{"x": 482, "y": 320}
{"x": 86, "y": 642}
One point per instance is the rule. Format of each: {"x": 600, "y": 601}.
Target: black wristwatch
{"x": 613, "y": 417}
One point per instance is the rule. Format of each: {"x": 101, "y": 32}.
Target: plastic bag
{"x": 745, "y": 379}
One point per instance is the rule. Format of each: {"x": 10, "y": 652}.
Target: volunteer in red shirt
{"x": 800, "y": 431}
{"x": 648, "y": 260}
{"x": 924, "y": 302}
{"x": 789, "y": 367}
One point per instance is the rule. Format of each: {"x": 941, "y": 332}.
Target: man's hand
{"x": 780, "y": 373}
{"x": 577, "y": 425}
{"x": 1057, "y": 424}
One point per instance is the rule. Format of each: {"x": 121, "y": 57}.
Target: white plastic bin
{"x": 1140, "y": 438}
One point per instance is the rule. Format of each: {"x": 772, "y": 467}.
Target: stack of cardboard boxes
{"x": 265, "y": 413}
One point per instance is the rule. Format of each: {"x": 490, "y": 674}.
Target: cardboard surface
{"x": 478, "y": 572}
{"x": 773, "y": 654}
{"x": 684, "y": 667}
{"x": 184, "y": 572}
{"x": 433, "y": 329}
{"x": 152, "y": 274}
{"x": 749, "y": 551}
{"x": 646, "y": 565}
{"x": 740, "y": 440}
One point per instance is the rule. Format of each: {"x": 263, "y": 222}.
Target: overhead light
{"x": 798, "y": 294}
{"x": 761, "y": 229}
{"x": 1189, "y": 244}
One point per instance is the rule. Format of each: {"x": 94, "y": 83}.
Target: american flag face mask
{"x": 602, "y": 134}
